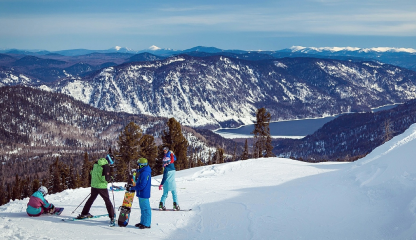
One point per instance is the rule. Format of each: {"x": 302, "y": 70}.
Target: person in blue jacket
{"x": 142, "y": 188}
{"x": 168, "y": 181}
{"x": 38, "y": 205}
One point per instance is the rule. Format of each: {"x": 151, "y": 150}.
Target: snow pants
{"x": 104, "y": 194}
{"x": 43, "y": 210}
{"x": 165, "y": 195}
{"x": 146, "y": 212}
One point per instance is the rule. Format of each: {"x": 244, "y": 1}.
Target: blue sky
{"x": 248, "y": 25}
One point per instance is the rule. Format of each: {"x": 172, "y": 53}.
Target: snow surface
{"x": 273, "y": 198}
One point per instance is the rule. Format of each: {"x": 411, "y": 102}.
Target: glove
{"x": 160, "y": 187}
{"x": 52, "y": 209}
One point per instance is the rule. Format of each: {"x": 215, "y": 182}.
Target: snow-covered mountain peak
{"x": 154, "y": 48}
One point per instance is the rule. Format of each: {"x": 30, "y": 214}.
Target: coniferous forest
{"x": 53, "y": 140}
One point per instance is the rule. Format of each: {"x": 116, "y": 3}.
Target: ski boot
{"x": 82, "y": 216}
{"x": 162, "y": 207}
{"x": 176, "y": 207}
{"x": 112, "y": 222}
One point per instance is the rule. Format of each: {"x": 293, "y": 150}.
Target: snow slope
{"x": 274, "y": 198}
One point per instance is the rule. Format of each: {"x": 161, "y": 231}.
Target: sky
{"x": 182, "y": 24}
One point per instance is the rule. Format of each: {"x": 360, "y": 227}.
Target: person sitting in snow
{"x": 38, "y": 205}
{"x": 168, "y": 181}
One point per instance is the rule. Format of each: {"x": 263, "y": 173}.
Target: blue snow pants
{"x": 146, "y": 212}
{"x": 165, "y": 195}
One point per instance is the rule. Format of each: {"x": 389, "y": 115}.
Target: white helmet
{"x": 43, "y": 190}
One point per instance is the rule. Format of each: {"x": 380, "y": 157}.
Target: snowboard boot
{"x": 162, "y": 207}
{"x": 143, "y": 226}
{"x": 138, "y": 225}
{"x": 82, "y": 216}
{"x": 176, "y": 207}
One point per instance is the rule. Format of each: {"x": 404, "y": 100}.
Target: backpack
{"x": 174, "y": 156}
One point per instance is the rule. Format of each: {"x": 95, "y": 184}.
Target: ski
{"x": 80, "y": 219}
{"x": 117, "y": 188}
{"x": 172, "y": 210}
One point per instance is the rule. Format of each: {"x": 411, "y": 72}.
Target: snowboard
{"x": 57, "y": 211}
{"x": 125, "y": 208}
{"x": 181, "y": 210}
{"x": 81, "y": 219}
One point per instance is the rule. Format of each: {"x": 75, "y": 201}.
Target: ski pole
{"x": 80, "y": 203}
{"x": 112, "y": 190}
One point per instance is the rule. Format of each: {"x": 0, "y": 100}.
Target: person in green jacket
{"x": 100, "y": 176}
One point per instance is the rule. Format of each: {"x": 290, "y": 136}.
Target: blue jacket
{"x": 168, "y": 180}
{"x": 144, "y": 183}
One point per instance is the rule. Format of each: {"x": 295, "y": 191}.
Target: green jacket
{"x": 97, "y": 176}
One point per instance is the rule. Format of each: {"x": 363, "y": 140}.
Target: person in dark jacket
{"x": 100, "y": 176}
{"x": 142, "y": 188}
{"x": 38, "y": 205}
{"x": 168, "y": 181}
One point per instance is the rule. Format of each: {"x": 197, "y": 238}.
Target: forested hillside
{"x": 350, "y": 136}
{"x": 39, "y": 126}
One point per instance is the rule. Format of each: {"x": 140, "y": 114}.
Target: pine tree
{"x": 35, "y": 184}
{"x": 9, "y": 193}
{"x": 55, "y": 183}
{"x": 2, "y": 193}
{"x": 148, "y": 149}
{"x": 269, "y": 147}
{"x": 388, "y": 132}
{"x": 16, "y": 188}
{"x": 85, "y": 171}
{"x": 245, "y": 154}
{"x": 158, "y": 167}
{"x": 261, "y": 131}
{"x": 26, "y": 188}
{"x": 177, "y": 143}
{"x": 65, "y": 176}
{"x": 129, "y": 150}
{"x": 220, "y": 155}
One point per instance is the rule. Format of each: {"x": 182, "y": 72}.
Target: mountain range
{"x": 201, "y": 91}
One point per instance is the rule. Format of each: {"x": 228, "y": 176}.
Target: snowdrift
{"x": 273, "y": 198}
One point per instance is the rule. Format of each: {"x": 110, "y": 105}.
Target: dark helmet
{"x": 110, "y": 158}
